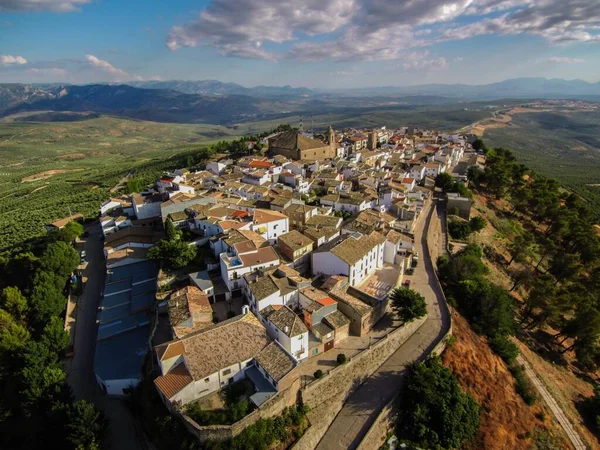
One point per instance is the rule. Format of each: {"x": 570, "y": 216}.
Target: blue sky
{"x": 314, "y": 43}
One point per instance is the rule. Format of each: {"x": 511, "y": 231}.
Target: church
{"x": 294, "y": 145}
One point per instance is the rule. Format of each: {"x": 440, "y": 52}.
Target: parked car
{"x": 410, "y": 271}
{"x": 406, "y": 283}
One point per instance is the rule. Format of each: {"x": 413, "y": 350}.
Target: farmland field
{"x": 47, "y": 169}
{"x": 565, "y": 146}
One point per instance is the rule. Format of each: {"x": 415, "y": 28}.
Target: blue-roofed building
{"x": 124, "y": 326}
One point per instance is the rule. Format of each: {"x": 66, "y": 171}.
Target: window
{"x": 226, "y": 372}
{"x": 206, "y": 380}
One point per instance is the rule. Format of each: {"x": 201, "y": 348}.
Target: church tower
{"x": 372, "y": 141}
{"x": 330, "y": 136}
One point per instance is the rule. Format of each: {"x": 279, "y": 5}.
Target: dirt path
{"x": 122, "y": 181}
{"x": 556, "y": 410}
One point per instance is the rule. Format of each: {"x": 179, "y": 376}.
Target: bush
{"x": 341, "y": 358}
{"x": 438, "y": 413}
{"x": 523, "y": 386}
{"x": 318, "y": 374}
{"x": 505, "y": 348}
{"x": 453, "y": 211}
{"x": 459, "y": 229}
{"x": 477, "y": 224}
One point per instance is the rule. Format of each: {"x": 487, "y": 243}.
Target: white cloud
{"x": 422, "y": 61}
{"x": 375, "y": 29}
{"x": 42, "y": 5}
{"x": 9, "y": 60}
{"x": 115, "y": 73}
{"x": 556, "y": 21}
{"x": 564, "y": 60}
{"x": 51, "y": 72}
{"x": 241, "y": 27}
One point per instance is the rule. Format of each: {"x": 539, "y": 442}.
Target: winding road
{"x": 362, "y": 407}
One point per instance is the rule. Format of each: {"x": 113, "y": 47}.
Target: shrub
{"x": 505, "y": 348}
{"x": 318, "y": 374}
{"x": 341, "y": 358}
{"x": 453, "y": 211}
{"x": 523, "y": 385}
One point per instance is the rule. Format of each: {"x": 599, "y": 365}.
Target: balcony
{"x": 231, "y": 260}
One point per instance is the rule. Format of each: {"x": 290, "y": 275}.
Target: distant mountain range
{"x": 211, "y": 101}
{"x": 513, "y": 88}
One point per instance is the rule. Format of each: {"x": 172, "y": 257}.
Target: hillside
{"x": 560, "y": 144}
{"x": 505, "y": 421}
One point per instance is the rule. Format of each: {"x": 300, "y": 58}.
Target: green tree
{"x": 60, "y": 259}
{"x": 444, "y": 181}
{"x": 170, "y": 232}
{"x": 438, "y": 413}
{"x": 13, "y": 336}
{"x": 541, "y": 303}
{"x": 85, "y": 426}
{"x": 46, "y": 299}
{"x": 459, "y": 229}
{"x": 54, "y": 336}
{"x": 172, "y": 254}
{"x": 477, "y": 224}
{"x": 478, "y": 144}
{"x": 522, "y": 248}
{"x": 13, "y": 301}
{"x": 134, "y": 185}
{"x": 408, "y": 304}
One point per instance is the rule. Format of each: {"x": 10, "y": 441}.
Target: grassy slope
{"x": 565, "y": 146}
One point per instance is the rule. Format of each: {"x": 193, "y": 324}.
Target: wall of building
{"x": 329, "y": 264}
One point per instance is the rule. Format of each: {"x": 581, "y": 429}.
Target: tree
{"x": 541, "y": 302}
{"x": 54, "y": 336}
{"x": 66, "y": 234}
{"x": 408, "y": 304}
{"x": 60, "y": 259}
{"x": 459, "y": 229}
{"x": 85, "y": 426}
{"x": 478, "y": 144}
{"x": 46, "y": 300}
{"x": 172, "y": 254}
{"x": 477, "y": 224}
{"x": 522, "y": 248}
{"x": 170, "y": 232}
{"x": 134, "y": 185}
{"x": 437, "y": 411}
{"x": 444, "y": 181}
{"x": 13, "y": 336}
{"x": 13, "y": 301}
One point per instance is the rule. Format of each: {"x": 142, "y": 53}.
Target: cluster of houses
{"x": 308, "y": 236}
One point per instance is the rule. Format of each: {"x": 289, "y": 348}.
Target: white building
{"x": 244, "y": 258}
{"x": 353, "y": 255}
{"x": 270, "y": 224}
{"x": 284, "y": 326}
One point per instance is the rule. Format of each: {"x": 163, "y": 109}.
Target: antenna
{"x": 301, "y": 124}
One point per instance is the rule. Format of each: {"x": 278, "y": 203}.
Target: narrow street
{"x": 123, "y": 430}
{"x": 363, "y": 406}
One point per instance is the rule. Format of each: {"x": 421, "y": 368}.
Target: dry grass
{"x": 505, "y": 419}
{"x": 566, "y": 388}
{"x": 46, "y": 174}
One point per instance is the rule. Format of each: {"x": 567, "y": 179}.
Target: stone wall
{"x": 388, "y": 416}
{"x": 272, "y": 407}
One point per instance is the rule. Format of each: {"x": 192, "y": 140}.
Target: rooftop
{"x": 352, "y": 249}
{"x": 222, "y": 345}
{"x": 174, "y": 381}
{"x": 276, "y": 362}
{"x": 295, "y": 240}
{"x": 285, "y": 319}
{"x": 293, "y": 140}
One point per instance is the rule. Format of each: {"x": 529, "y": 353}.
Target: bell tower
{"x": 330, "y": 136}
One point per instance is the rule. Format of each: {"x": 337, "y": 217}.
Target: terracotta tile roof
{"x": 336, "y": 319}
{"x": 263, "y": 287}
{"x": 222, "y": 345}
{"x": 285, "y": 319}
{"x": 276, "y": 362}
{"x": 169, "y": 350}
{"x": 262, "y": 255}
{"x": 262, "y": 164}
{"x": 293, "y": 140}
{"x": 351, "y": 250}
{"x": 62, "y": 222}
{"x": 174, "y": 381}
{"x": 265, "y": 216}
{"x": 295, "y": 240}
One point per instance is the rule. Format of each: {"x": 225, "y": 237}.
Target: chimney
{"x": 287, "y": 329}
{"x": 245, "y": 309}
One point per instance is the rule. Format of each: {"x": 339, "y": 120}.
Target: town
{"x": 295, "y": 251}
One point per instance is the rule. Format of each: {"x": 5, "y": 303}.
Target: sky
{"x": 312, "y": 43}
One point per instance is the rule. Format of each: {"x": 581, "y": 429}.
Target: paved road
{"x": 556, "y": 410}
{"x": 123, "y": 431}
{"x": 363, "y": 406}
